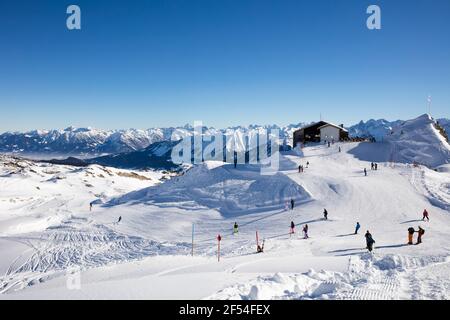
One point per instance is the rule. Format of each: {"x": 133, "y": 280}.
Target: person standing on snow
{"x": 325, "y": 214}
{"x": 260, "y": 248}
{"x": 357, "y": 227}
{"x": 410, "y": 235}
{"x": 369, "y": 241}
{"x": 365, "y": 172}
{"x": 420, "y": 234}
{"x": 307, "y": 164}
{"x": 305, "y": 231}
{"x": 292, "y": 227}
{"x": 235, "y": 228}
{"x": 120, "y": 219}
{"x": 292, "y": 204}
{"x": 376, "y": 166}
{"x": 425, "y": 215}
{"x": 339, "y": 149}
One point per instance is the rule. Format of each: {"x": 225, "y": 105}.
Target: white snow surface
{"x": 47, "y": 234}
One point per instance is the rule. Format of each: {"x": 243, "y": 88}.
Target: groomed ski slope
{"x": 147, "y": 255}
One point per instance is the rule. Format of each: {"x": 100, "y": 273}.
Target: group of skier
{"x": 411, "y": 232}
{"x": 304, "y": 230}
{"x": 368, "y": 236}
{"x": 301, "y": 169}
{"x": 374, "y": 166}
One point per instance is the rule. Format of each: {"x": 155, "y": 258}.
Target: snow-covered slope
{"x": 36, "y": 196}
{"x": 147, "y": 255}
{"x": 418, "y": 141}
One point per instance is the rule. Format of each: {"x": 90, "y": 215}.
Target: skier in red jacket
{"x": 425, "y": 215}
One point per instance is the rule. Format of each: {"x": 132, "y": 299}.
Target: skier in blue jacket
{"x": 357, "y": 227}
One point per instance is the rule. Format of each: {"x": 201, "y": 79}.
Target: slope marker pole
{"x": 219, "y": 238}
{"x": 257, "y": 241}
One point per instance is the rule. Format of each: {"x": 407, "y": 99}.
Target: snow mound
{"x": 220, "y": 186}
{"x": 419, "y": 141}
{"x": 369, "y": 276}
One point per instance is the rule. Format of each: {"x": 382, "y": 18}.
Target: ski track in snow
{"x": 74, "y": 244}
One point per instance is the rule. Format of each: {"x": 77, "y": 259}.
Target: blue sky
{"x": 226, "y": 62}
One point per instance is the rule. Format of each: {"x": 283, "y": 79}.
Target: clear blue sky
{"x": 227, "y": 62}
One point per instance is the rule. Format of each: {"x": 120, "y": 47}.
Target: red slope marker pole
{"x": 257, "y": 241}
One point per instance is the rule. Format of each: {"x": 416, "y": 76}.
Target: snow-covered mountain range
{"x": 91, "y": 142}
{"x": 80, "y": 141}
{"x": 377, "y": 129}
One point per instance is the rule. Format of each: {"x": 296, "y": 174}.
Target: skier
{"x": 260, "y": 248}
{"x": 292, "y": 204}
{"x": 372, "y": 166}
{"x": 325, "y": 214}
{"x": 339, "y": 149}
{"x": 305, "y": 231}
{"x": 357, "y": 227}
{"x": 420, "y": 234}
{"x": 329, "y": 144}
{"x": 292, "y": 227}
{"x": 90, "y": 206}
{"x": 299, "y": 168}
{"x": 410, "y": 235}
{"x": 376, "y": 166}
{"x": 365, "y": 172}
{"x": 235, "y": 228}
{"x": 307, "y": 164}
{"x": 425, "y": 215}
{"x": 120, "y": 219}
{"x": 369, "y": 241}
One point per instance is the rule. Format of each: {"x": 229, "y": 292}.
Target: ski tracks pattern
{"x": 76, "y": 244}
